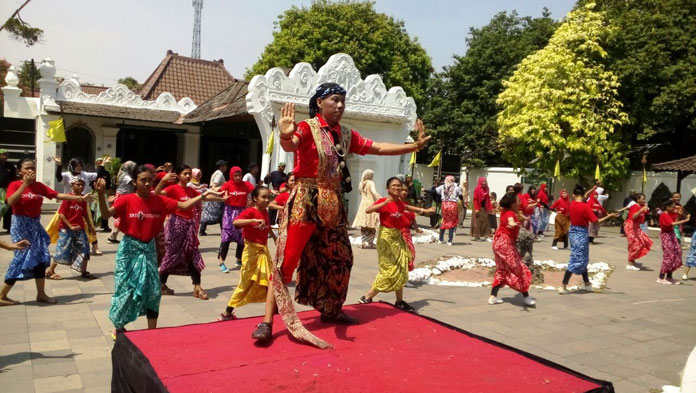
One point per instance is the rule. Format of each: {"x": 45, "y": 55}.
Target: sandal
{"x": 8, "y": 302}
{"x": 54, "y": 276}
{"x": 200, "y": 294}
{"x": 88, "y": 275}
{"x": 262, "y": 332}
{"x": 166, "y": 291}
{"x": 227, "y": 317}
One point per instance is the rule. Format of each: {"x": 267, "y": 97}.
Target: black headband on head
{"x": 324, "y": 90}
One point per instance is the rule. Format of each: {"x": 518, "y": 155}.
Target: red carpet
{"x": 390, "y": 351}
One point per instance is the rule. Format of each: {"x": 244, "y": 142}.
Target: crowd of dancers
{"x": 162, "y": 211}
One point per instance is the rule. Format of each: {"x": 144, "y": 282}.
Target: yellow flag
{"x": 645, "y": 176}
{"x": 557, "y": 170}
{"x": 269, "y": 148}
{"x": 56, "y": 132}
{"x": 413, "y": 159}
{"x": 436, "y": 160}
{"x": 597, "y": 174}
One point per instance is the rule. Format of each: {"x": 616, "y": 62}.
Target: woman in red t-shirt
{"x": 639, "y": 243}
{"x": 562, "y": 223}
{"x": 26, "y": 196}
{"x": 136, "y": 279}
{"x": 254, "y": 277}
{"x": 181, "y": 254}
{"x": 393, "y": 252}
{"x": 510, "y": 270}
{"x": 236, "y": 200}
{"x": 671, "y": 250}
{"x": 73, "y": 245}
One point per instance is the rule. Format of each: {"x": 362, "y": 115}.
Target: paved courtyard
{"x": 636, "y": 333}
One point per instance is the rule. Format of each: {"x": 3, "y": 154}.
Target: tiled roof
{"x": 119, "y": 112}
{"x": 228, "y": 103}
{"x": 687, "y": 164}
{"x": 89, "y": 89}
{"x": 186, "y": 77}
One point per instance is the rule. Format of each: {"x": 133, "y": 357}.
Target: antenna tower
{"x": 196, "y": 45}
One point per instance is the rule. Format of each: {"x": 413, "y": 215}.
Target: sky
{"x": 104, "y": 40}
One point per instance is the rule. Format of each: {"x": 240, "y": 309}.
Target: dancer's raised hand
{"x": 287, "y": 125}
{"x": 422, "y": 137}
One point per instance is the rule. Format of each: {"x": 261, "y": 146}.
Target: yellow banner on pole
{"x": 271, "y": 141}
{"x": 413, "y": 159}
{"x": 436, "y": 160}
{"x": 56, "y": 132}
{"x": 557, "y": 170}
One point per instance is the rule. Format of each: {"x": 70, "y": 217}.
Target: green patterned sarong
{"x": 136, "y": 282}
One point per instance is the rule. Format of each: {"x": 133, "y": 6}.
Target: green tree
{"x": 29, "y": 76}
{"x": 379, "y": 44}
{"x": 21, "y": 30}
{"x": 130, "y": 83}
{"x": 561, "y": 104}
{"x": 651, "y": 50}
{"x": 461, "y": 107}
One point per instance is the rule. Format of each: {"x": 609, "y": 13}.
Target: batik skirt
{"x": 579, "y": 249}
{"x": 32, "y": 261}
{"x": 450, "y": 215}
{"x": 72, "y": 249}
{"x": 691, "y": 258}
{"x": 181, "y": 247}
{"x": 230, "y": 233}
{"x": 136, "y": 281}
{"x": 639, "y": 243}
{"x": 254, "y": 277}
{"x": 544, "y": 218}
{"x": 394, "y": 257}
{"x": 561, "y": 226}
{"x": 212, "y": 213}
{"x": 510, "y": 270}
{"x": 594, "y": 226}
{"x": 671, "y": 252}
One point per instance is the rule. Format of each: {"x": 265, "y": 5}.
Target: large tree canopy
{"x": 461, "y": 107}
{"x": 378, "y": 43}
{"x": 652, "y": 50}
{"x": 561, "y": 105}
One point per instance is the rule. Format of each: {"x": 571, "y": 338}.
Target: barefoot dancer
{"x": 315, "y": 238}
{"x": 26, "y": 197}
{"x": 671, "y": 249}
{"x": 254, "y": 278}
{"x": 136, "y": 280}
{"x": 639, "y": 243}
{"x": 181, "y": 255}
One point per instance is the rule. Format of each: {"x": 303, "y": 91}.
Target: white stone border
{"x": 426, "y": 237}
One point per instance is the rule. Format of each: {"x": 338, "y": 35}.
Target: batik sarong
{"x": 212, "y": 213}
{"x": 72, "y": 249}
{"x": 450, "y": 215}
{"x": 230, "y": 233}
{"x": 510, "y": 270}
{"x": 254, "y": 277}
{"x": 181, "y": 247}
{"x": 136, "y": 282}
{"x": 579, "y": 249}
{"x": 394, "y": 257}
{"x": 671, "y": 253}
{"x": 544, "y": 219}
{"x": 593, "y": 228}
{"x": 29, "y": 262}
{"x": 691, "y": 258}
{"x": 561, "y": 226}
{"x": 639, "y": 243}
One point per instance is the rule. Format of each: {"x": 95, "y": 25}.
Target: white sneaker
{"x": 488, "y": 239}
{"x": 529, "y": 301}
{"x": 449, "y": 243}
{"x": 563, "y": 291}
{"x": 588, "y": 288}
{"x": 494, "y": 300}
{"x": 632, "y": 268}
{"x": 663, "y": 281}
{"x": 554, "y": 248}
{"x": 685, "y": 277}
{"x": 439, "y": 242}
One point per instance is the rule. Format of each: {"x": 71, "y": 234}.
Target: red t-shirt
{"x": 666, "y": 222}
{"x": 392, "y": 214}
{"x": 74, "y": 212}
{"x": 306, "y": 156}
{"x": 581, "y": 214}
{"x": 561, "y": 206}
{"x": 282, "y": 198}
{"x": 523, "y": 203}
{"x": 525, "y": 206}
{"x": 237, "y": 192}
{"x": 29, "y": 205}
{"x": 182, "y": 194}
{"x": 251, "y": 232}
{"x": 141, "y": 218}
{"x": 633, "y": 210}
{"x": 503, "y": 228}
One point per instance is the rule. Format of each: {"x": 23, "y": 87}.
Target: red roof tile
{"x": 187, "y": 77}
{"x": 687, "y": 164}
{"x": 89, "y": 89}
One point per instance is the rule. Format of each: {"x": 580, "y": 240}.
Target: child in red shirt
{"x": 73, "y": 246}
{"x": 671, "y": 250}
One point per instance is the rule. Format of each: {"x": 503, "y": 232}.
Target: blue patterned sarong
{"x": 691, "y": 258}
{"x": 31, "y": 261}
{"x": 136, "y": 282}
{"x": 72, "y": 249}
{"x": 579, "y": 249}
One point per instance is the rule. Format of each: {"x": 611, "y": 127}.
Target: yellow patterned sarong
{"x": 393, "y": 256}
{"x": 254, "y": 276}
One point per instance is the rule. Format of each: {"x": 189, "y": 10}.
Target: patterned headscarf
{"x": 324, "y": 90}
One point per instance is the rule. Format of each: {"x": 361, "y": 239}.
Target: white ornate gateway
{"x": 372, "y": 110}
